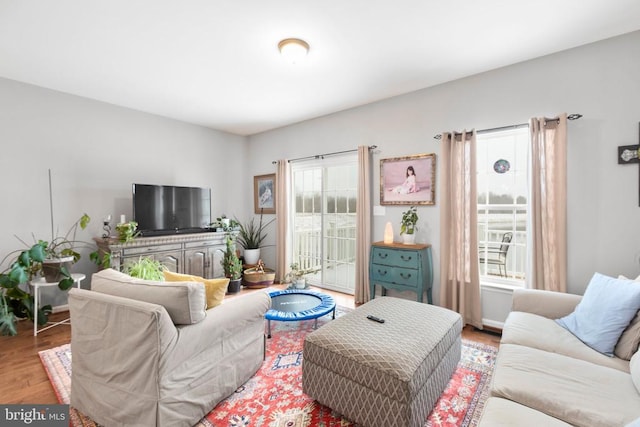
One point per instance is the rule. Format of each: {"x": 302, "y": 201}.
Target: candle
{"x": 388, "y": 233}
{"x": 123, "y": 219}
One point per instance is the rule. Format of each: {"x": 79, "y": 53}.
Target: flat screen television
{"x": 168, "y": 209}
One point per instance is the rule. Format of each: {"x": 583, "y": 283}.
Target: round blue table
{"x": 297, "y": 304}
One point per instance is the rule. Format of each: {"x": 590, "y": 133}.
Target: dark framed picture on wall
{"x": 408, "y": 180}
{"x": 264, "y": 193}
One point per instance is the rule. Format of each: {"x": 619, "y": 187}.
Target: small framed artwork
{"x": 264, "y": 193}
{"x": 408, "y": 180}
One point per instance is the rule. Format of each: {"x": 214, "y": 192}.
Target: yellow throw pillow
{"x": 214, "y": 288}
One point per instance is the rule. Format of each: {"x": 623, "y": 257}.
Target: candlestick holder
{"x": 106, "y": 226}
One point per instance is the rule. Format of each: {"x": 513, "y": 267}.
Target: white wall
{"x": 599, "y": 81}
{"x": 95, "y": 152}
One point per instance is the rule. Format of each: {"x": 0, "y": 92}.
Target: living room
{"x": 96, "y": 150}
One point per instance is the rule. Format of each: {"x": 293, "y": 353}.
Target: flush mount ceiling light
{"x": 293, "y": 50}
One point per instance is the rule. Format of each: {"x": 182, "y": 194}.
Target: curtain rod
{"x": 520, "y": 125}
{"x": 321, "y": 156}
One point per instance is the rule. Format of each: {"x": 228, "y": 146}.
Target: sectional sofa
{"x": 546, "y": 376}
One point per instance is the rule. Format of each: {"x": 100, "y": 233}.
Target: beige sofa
{"x": 545, "y": 376}
{"x": 149, "y": 354}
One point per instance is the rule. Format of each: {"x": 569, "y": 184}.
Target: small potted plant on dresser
{"x": 232, "y": 266}
{"x": 408, "y": 225}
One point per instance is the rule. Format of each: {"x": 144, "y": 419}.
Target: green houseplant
{"x": 251, "y": 236}
{"x": 127, "y": 231}
{"x": 145, "y": 268}
{"x": 227, "y": 225}
{"x": 408, "y": 225}
{"x": 296, "y": 275}
{"x": 232, "y": 266}
{"x": 52, "y": 258}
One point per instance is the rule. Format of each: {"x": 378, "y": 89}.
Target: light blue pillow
{"x": 606, "y": 309}
{"x": 635, "y": 423}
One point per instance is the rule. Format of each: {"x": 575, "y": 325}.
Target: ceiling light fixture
{"x": 293, "y": 50}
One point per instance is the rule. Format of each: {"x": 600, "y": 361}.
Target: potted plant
{"x": 145, "y": 268}
{"x": 296, "y": 276}
{"x": 232, "y": 266}
{"x": 251, "y": 236}
{"x": 408, "y": 225}
{"x": 62, "y": 251}
{"x": 52, "y": 258}
{"x": 15, "y": 302}
{"x": 127, "y": 231}
{"x": 225, "y": 224}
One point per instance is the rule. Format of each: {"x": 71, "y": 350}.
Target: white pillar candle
{"x": 123, "y": 219}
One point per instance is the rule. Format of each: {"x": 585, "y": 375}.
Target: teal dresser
{"x": 401, "y": 267}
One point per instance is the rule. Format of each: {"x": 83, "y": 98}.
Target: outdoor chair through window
{"x": 497, "y": 255}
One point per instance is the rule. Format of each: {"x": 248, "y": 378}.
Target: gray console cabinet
{"x": 198, "y": 254}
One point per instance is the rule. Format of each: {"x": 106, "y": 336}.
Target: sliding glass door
{"x": 324, "y": 220}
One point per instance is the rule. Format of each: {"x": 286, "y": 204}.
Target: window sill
{"x": 501, "y": 286}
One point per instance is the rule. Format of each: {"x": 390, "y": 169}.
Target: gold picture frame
{"x": 409, "y": 180}
{"x": 264, "y": 193}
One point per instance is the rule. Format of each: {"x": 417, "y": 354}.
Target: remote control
{"x": 375, "y": 319}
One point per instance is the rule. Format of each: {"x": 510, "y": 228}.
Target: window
{"x": 502, "y": 168}
{"x": 324, "y": 221}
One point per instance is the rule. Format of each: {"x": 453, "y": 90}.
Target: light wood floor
{"x": 23, "y": 379}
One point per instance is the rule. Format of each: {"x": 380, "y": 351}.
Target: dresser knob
{"x": 383, "y": 256}
{"x": 382, "y": 273}
{"x": 409, "y": 258}
{"x": 405, "y": 276}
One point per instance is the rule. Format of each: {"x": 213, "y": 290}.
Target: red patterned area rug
{"x": 274, "y": 397}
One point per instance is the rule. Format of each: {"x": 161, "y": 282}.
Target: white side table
{"x": 42, "y": 283}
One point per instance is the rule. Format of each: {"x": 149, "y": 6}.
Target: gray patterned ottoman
{"x": 383, "y": 374}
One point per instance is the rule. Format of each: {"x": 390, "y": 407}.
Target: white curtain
{"x": 548, "y": 207}
{"x": 282, "y": 212}
{"x": 363, "y": 225}
{"x": 459, "y": 270}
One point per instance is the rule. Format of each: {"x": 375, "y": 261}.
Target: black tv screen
{"x": 167, "y": 209}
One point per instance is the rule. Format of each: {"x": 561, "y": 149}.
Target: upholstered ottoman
{"x": 383, "y": 374}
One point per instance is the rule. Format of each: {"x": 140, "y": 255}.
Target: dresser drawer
{"x": 141, "y": 250}
{"x": 395, "y": 257}
{"x": 394, "y": 275}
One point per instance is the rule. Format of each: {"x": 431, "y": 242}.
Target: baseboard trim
{"x": 59, "y": 308}
{"x": 493, "y": 325}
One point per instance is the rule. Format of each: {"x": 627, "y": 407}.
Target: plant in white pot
{"x": 297, "y": 276}
{"x": 408, "y": 225}
{"x": 251, "y": 236}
